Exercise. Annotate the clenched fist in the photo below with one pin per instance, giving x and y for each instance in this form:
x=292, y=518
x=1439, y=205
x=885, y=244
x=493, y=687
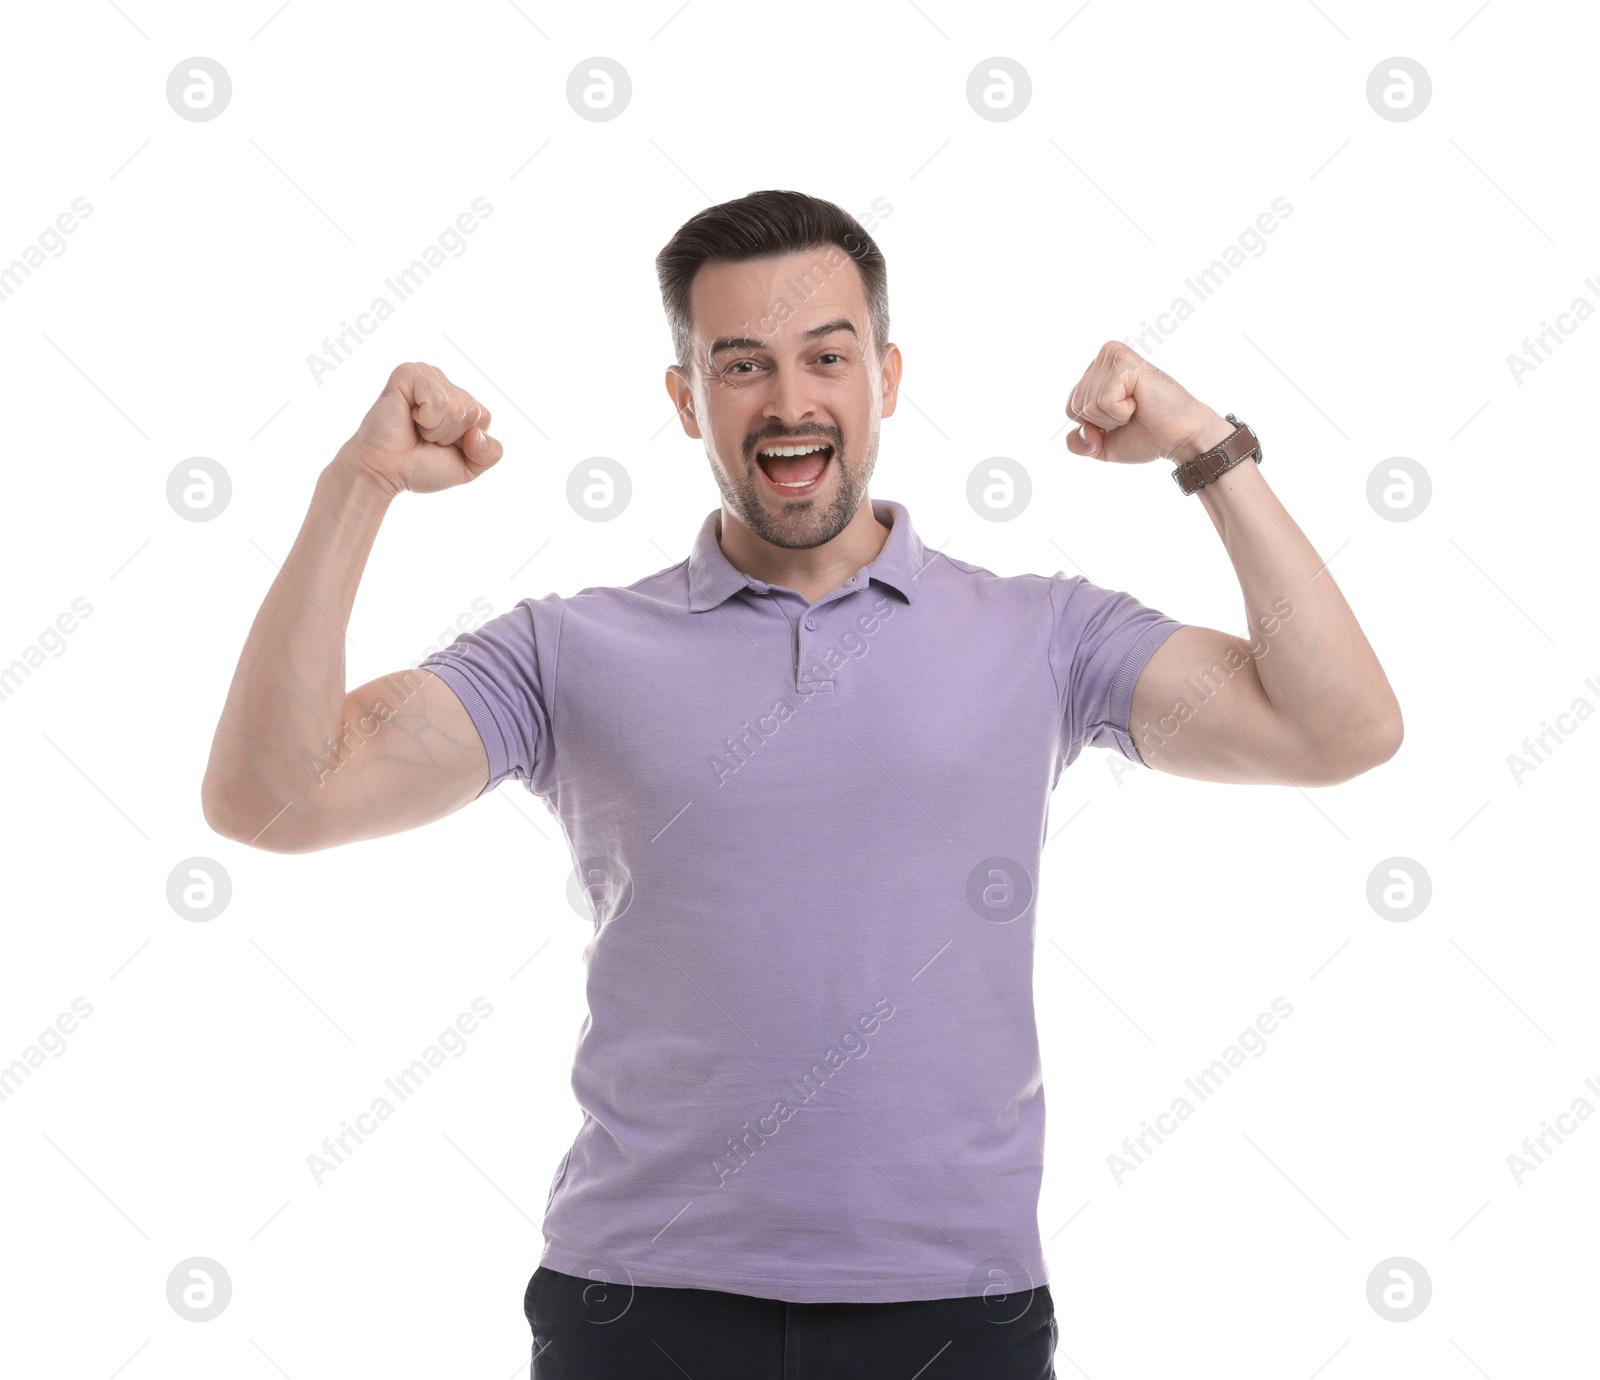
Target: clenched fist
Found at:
x=1130, y=412
x=423, y=433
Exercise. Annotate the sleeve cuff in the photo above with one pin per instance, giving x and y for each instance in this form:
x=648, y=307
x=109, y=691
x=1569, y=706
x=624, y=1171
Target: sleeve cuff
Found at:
x=1134, y=660
x=494, y=742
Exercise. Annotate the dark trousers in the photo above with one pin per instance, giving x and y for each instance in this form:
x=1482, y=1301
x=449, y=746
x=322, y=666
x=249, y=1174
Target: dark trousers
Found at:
x=586, y=1330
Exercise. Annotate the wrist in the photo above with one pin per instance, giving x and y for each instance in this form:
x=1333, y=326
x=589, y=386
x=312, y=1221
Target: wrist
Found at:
x=1210, y=429
x=352, y=476
x=355, y=486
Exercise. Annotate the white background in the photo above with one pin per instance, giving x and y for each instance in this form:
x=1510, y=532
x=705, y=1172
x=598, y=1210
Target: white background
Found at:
x=1377, y=324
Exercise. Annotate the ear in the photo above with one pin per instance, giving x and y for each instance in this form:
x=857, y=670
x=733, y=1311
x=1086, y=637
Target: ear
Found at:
x=890, y=379
x=682, y=395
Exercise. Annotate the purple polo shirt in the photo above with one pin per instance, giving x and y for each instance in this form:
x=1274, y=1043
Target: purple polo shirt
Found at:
x=811, y=836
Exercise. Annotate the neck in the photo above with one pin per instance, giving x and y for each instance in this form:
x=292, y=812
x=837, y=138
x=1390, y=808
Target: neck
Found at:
x=813, y=571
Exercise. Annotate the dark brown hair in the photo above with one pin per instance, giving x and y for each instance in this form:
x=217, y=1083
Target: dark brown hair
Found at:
x=759, y=226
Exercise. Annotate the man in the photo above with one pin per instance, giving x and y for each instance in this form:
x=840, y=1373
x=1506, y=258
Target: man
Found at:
x=804, y=774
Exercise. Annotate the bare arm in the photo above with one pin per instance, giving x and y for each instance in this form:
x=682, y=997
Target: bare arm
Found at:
x=1304, y=701
x=297, y=763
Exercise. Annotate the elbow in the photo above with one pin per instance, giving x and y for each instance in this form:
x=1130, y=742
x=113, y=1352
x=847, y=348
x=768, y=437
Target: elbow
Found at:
x=264, y=831
x=214, y=810
x=1393, y=735
x=1369, y=745
x=216, y=801
x=1388, y=731
x=223, y=818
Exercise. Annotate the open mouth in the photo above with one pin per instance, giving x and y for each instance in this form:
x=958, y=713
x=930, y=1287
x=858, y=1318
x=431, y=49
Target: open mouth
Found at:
x=795, y=470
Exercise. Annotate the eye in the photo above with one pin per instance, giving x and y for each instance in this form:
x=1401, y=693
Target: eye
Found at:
x=833, y=355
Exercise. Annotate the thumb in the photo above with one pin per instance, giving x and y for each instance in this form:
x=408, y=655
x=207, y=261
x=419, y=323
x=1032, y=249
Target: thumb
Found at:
x=1085, y=439
x=480, y=449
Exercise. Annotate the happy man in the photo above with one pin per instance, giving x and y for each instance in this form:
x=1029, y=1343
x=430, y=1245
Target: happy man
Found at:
x=804, y=775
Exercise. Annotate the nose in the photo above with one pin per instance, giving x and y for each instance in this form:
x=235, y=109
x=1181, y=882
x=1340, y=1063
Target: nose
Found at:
x=789, y=404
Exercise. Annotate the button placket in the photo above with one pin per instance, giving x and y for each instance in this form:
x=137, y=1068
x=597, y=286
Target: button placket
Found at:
x=812, y=622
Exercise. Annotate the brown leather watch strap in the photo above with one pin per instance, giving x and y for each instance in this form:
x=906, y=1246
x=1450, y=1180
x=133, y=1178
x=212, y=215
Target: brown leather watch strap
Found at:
x=1238, y=445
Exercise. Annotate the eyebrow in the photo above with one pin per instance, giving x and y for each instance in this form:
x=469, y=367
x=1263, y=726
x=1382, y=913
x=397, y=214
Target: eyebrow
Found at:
x=747, y=342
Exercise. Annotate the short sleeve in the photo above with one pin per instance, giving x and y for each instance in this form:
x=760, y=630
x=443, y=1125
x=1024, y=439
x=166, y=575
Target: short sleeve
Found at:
x=504, y=674
x=1100, y=641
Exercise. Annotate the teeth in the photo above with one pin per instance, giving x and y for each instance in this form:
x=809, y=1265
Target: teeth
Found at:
x=794, y=450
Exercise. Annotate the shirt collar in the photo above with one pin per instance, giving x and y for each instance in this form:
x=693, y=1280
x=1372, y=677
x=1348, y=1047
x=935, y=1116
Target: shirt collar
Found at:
x=712, y=578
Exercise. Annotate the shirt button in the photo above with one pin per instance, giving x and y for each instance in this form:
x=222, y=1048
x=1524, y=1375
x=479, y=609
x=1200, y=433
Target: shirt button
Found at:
x=811, y=623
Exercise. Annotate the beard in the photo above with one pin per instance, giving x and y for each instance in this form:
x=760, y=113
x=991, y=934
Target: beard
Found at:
x=798, y=524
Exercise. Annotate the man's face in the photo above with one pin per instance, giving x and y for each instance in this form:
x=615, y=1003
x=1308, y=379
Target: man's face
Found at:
x=783, y=355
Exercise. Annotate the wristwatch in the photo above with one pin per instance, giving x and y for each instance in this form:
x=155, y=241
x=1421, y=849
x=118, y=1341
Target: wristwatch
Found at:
x=1239, y=444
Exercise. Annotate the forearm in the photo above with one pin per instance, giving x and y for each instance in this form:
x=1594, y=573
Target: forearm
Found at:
x=288, y=691
x=1314, y=663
